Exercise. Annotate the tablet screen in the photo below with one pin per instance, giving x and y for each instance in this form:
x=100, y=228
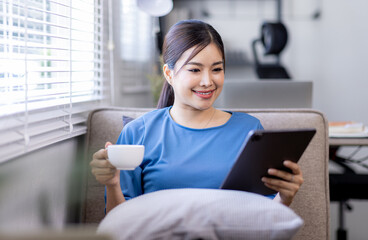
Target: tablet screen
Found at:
x=264, y=149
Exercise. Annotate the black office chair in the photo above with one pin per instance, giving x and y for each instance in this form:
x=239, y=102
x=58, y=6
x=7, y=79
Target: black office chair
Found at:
x=273, y=38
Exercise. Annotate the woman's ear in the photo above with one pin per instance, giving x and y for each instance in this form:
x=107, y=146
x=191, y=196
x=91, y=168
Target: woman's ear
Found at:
x=168, y=73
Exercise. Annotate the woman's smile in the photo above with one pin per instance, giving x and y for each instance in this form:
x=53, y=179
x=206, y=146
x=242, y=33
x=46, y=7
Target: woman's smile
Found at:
x=204, y=94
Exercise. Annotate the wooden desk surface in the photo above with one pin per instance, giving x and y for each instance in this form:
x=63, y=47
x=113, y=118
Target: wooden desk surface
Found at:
x=348, y=141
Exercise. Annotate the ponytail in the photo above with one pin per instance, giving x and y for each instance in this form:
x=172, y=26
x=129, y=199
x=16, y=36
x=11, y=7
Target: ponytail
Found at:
x=166, y=97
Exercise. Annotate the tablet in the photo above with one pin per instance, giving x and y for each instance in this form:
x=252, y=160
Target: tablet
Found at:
x=264, y=149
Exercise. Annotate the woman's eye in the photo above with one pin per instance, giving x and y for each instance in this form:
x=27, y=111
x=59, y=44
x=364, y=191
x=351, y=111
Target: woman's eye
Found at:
x=217, y=69
x=194, y=70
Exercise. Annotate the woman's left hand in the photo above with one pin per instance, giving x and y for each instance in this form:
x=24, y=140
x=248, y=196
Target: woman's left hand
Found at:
x=289, y=183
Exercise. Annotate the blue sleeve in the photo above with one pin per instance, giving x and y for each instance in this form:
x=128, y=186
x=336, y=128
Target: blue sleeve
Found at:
x=131, y=183
x=272, y=196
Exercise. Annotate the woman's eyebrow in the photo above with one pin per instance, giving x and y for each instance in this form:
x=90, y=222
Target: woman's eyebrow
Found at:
x=200, y=64
x=217, y=63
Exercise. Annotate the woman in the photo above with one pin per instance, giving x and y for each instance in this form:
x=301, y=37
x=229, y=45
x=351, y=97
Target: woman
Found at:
x=189, y=143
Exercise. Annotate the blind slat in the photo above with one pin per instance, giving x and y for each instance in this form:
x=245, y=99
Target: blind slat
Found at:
x=10, y=137
x=52, y=99
x=44, y=23
x=18, y=121
x=52, y=58
x=87, y=10
x=16, y=149
x=31, y=45
x=41, y=34
x=16, y=108
x=41, y=81
x=35, y=129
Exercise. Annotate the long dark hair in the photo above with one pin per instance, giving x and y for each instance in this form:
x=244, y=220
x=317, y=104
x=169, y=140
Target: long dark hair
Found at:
x=181, y=37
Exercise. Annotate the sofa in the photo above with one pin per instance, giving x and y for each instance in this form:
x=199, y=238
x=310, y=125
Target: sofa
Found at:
x=311, y=202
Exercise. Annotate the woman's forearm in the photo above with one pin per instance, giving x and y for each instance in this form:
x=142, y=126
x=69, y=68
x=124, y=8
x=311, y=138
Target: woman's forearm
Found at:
x=114, y=197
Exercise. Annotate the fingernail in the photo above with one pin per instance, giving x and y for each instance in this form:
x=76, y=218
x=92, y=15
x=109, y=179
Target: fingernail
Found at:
x=270, y=171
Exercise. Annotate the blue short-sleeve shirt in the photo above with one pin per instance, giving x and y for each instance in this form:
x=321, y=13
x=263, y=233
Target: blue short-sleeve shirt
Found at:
x=181, y=157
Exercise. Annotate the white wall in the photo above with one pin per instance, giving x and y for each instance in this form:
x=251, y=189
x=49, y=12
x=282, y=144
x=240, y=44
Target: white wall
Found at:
x=332, y=52
x=35, y=188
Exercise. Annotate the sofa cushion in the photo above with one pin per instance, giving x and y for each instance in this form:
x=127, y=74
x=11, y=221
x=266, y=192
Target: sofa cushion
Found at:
x=127, y=119
x=201, y=214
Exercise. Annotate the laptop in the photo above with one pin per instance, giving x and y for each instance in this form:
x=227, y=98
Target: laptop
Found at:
x=266, y=94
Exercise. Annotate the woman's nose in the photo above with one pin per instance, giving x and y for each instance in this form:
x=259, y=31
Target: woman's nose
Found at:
x=206, y=80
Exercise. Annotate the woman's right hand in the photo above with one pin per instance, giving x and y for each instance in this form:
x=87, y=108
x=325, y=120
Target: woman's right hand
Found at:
x=103, y=170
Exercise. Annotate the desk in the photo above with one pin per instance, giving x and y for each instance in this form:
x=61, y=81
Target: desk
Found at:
x=338, y=142
x=349, y=184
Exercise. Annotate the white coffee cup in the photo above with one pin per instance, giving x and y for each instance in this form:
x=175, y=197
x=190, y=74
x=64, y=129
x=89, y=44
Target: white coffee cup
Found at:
x=125, y=157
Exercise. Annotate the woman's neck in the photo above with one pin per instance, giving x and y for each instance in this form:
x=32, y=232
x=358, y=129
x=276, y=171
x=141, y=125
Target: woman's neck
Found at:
x=193, y=118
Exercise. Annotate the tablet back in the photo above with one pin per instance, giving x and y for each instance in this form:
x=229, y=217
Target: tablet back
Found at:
x=264, y=149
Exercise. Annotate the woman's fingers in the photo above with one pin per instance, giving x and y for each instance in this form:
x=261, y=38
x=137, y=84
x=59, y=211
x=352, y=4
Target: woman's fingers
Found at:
x=281, y=174
x=285, y=176
x=286, y=183
x=100, y=154
x=293, y=166
x=103, y=171
x=294, y=177
x=104, y=178
x=107, y=144
x=281, y=184
x=286, y=194
x=101, y=163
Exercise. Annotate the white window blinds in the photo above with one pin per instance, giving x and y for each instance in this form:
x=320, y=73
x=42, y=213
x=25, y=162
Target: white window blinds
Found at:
x=51, y=71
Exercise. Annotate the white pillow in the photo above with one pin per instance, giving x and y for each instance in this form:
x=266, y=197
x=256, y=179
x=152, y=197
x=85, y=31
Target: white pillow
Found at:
x=201, y=214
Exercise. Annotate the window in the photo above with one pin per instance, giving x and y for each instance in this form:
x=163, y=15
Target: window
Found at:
x=137, y=55
x=135, y=33
x=52, y=71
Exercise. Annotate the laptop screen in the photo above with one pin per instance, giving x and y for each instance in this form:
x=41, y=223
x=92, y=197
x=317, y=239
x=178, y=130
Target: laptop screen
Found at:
x=266, y=94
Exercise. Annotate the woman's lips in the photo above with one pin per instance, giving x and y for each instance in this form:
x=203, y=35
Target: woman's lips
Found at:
x=204, y=94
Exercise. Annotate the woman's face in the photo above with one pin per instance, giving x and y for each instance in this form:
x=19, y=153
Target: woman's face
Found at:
x=198, y=83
